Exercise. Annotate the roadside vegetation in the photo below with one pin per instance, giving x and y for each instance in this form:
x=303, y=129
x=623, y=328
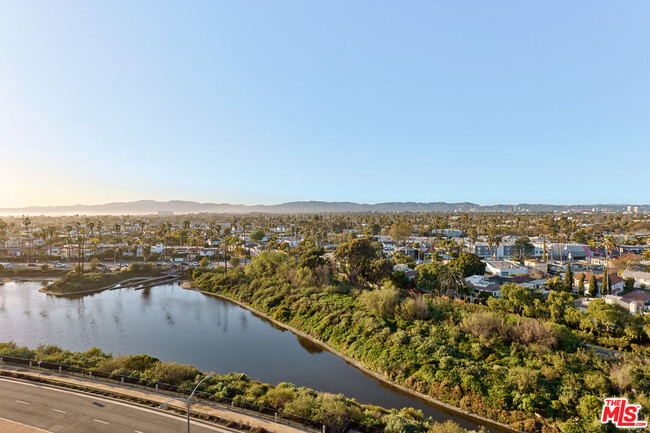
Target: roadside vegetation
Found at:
x=530, y=372
x=325, y=408
x=41, y=271
x=75, y=281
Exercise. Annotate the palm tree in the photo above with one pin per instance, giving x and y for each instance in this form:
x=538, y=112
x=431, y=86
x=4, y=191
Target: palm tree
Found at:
x=117, y=229
x=451, y=279
x=90, y=225
x=3, y=233
x=214, y=228
x=50, y=236
x=550, y=228
x=225, y=243
x=81, y=241
x=95, y=243
x=27, y=222
x=197, y=234
x=68, y=228
x=496, y=240
x=164, y=229
x=142, y=225
x=610, y=244
x=118, y=251
x=183, y=233
x=100, y=226
x=146, y=252
x=129, y=245
x=490, y=242
x=473, y=237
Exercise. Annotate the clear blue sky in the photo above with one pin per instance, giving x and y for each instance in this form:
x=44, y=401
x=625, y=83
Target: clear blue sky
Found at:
x=368, y=101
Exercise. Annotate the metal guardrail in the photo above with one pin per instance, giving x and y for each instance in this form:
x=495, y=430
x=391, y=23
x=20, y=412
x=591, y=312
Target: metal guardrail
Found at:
x=201, y=398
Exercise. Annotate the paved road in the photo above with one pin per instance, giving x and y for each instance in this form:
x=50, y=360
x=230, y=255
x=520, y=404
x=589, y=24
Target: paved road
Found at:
x=57, y=410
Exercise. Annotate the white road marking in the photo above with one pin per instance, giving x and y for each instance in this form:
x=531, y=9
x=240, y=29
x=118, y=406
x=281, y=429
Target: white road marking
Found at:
x=87, y=395
x=21, y=402
x=59, y=410
x=100, y=421
x=138, y=431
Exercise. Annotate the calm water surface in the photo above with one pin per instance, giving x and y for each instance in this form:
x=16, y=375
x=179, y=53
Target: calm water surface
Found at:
x=181, y=325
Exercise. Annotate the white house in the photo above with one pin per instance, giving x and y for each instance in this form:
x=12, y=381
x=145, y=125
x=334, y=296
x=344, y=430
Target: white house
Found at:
x=450, y=233
x=616, y=283
x=504, y=268
x=640, y=297
x=537, y=265
x=640, y=278
x=480, y=284
x=536, y=284
x=158, y=249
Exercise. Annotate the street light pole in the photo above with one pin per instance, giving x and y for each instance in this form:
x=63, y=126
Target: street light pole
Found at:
x=188, y=415
x=187, y=400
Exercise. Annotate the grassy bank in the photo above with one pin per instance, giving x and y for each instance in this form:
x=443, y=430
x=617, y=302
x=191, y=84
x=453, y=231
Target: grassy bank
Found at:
x=286, y=398
x=529, y=373
x=32, y=272
x=74, y=281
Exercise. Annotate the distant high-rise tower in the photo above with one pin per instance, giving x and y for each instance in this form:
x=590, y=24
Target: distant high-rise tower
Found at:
x=636, y=209
x=629, y=209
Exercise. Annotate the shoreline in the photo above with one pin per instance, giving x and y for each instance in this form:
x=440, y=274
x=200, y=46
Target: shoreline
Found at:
x=87, y=291
x=446, y=407
x=18, y=279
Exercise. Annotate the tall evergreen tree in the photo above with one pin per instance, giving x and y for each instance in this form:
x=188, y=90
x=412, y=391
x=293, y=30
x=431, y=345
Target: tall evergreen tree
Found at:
x=568, y=279
x=581, y=284
x=605, y=289
x=593, y=287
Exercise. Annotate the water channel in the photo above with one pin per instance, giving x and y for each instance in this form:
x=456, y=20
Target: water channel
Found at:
x=189, y=327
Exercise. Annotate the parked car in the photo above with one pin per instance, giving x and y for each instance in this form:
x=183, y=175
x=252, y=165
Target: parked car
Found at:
x=195, y=263
x=59, y=265
x=6, y=265
x=32, y=265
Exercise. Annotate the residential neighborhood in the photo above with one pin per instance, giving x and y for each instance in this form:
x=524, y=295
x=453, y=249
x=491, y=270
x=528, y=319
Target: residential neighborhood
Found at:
x=536, y=262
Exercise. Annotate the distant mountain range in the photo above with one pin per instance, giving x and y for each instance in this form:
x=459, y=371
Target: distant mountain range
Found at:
x=143, y=207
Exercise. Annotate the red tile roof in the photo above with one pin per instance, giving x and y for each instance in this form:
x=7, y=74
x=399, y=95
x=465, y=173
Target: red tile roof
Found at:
x=613, y=278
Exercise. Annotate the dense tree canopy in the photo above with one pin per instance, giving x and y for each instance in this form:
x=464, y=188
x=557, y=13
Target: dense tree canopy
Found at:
x=468, y=264
x=520, y=359
x=357, y=259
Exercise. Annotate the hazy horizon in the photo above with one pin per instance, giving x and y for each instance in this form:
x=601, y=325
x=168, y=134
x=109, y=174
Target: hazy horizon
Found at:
x=369, y=102
x=569, y=203
x=180, y=207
